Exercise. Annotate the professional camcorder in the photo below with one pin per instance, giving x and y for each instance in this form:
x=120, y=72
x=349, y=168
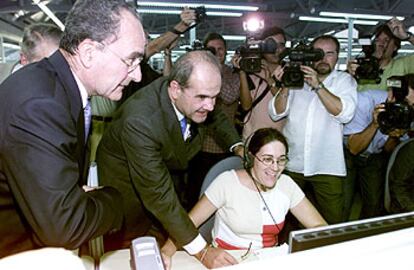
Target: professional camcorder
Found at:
x=302, y=54
x=368, y=70
x=251, y=53
x=398, y=114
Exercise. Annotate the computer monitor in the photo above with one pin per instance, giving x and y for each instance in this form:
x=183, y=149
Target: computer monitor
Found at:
x=317, y=237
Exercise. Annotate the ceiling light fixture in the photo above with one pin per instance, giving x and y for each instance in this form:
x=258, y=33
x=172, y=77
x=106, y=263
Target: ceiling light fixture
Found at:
x=335, y=20
x=49, y=13
x=358, y=16
x=196, y=4
x=176, y=11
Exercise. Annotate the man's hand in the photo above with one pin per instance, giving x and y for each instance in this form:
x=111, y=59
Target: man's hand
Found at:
x=235, y=61
x=217, y=257
x=397, y=133
x=166, y=260
x=188, y=16
x=397, y=28
x=378, y=108
x=351, y=66
x=311, y=76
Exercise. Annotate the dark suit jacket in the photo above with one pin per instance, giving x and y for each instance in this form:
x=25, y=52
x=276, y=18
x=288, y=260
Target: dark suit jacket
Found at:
x=41, y=160
x=141, y=153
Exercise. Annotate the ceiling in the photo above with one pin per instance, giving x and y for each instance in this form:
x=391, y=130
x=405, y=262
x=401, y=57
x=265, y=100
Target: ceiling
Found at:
x=15, y=14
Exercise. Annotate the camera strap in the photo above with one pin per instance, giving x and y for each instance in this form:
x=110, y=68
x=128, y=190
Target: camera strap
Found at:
x=261, y=96
x=256, y=100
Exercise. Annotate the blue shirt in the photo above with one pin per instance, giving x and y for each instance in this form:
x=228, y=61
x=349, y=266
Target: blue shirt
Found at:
x=363, y=117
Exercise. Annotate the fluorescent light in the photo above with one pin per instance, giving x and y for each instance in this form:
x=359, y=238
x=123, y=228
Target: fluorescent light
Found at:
x=177, y=12
x=234, y=37
x=358, y=16
x=405, y=51
x=50, y=14
x=207, y=6
x=335, y=20
x=11, y=46
x=158, y=11
x=224, y=14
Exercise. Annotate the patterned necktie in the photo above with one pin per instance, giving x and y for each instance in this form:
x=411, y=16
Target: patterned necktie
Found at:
x=183, y=125
x=87, y=112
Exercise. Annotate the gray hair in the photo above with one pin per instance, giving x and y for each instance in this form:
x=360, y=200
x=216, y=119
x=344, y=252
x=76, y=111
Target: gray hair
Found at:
x=185, y=65
x=97, y=20
x=34, y=34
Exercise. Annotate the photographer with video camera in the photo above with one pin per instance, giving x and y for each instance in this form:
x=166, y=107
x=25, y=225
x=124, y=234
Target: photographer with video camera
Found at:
x=258, y=87
x=381, y=120
x=315, y=115
x=387, y=42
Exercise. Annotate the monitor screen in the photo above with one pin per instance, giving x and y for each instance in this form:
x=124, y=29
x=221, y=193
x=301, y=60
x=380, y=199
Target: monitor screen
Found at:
x=332, y=234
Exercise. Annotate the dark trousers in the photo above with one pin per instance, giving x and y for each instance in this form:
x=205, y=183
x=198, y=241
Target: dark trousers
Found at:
x=198, y=169
x=367, y=174
x=325, y=192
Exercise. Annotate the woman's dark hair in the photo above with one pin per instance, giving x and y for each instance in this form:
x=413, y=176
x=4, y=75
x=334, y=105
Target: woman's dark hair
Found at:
x=260, y=138
x=97, y=20
x=273, y=31
x=213, y=36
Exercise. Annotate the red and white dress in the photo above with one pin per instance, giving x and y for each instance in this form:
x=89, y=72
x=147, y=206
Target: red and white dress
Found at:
x=242, y=217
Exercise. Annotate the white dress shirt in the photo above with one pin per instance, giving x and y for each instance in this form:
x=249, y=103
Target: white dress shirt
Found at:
x=314, y=135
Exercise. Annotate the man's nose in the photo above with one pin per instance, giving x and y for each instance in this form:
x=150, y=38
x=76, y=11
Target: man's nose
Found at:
x=136, y=74
x=209, y=104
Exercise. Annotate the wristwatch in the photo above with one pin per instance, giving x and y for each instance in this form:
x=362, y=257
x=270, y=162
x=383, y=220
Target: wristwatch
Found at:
x=319, y=87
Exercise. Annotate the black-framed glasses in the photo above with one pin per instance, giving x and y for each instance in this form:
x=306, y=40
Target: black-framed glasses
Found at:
x=131, y=63
x=270, y=161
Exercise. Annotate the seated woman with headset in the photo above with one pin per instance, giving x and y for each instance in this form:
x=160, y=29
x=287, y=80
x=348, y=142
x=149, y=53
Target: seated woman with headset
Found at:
x=251, y=203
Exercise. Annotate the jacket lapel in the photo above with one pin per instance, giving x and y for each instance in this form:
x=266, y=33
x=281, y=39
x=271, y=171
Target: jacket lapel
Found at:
x=61, y=67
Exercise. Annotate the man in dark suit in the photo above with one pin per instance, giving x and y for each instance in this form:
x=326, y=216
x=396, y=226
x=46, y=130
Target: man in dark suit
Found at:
x=145, y=153
x=42, y=131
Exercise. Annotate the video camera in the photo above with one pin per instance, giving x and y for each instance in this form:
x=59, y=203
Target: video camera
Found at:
x=251, y=53
x=302, y=54
x=198, y=46
x=398, y=114
x=368, y=70
x=200, y=13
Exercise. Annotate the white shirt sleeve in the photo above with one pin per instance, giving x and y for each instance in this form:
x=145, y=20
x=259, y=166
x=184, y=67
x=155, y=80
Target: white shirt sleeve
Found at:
x=346, y=90
x=272, y=110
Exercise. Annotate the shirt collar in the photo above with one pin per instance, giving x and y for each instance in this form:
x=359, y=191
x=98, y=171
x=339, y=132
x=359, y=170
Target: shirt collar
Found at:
x=180, y=116
x=82, y=90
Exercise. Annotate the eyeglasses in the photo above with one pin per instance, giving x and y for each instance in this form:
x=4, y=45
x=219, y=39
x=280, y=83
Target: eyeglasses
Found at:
x=131, y=63
x=269, y=161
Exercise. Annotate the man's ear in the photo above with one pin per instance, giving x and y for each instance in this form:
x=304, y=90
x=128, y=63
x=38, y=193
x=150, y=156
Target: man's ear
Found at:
x=87, y=51
x=174, y=89
x=23, y=59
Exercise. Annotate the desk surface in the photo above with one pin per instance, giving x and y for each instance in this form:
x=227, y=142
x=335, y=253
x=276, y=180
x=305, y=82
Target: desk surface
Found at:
x=380, y=252
x=119, y=260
